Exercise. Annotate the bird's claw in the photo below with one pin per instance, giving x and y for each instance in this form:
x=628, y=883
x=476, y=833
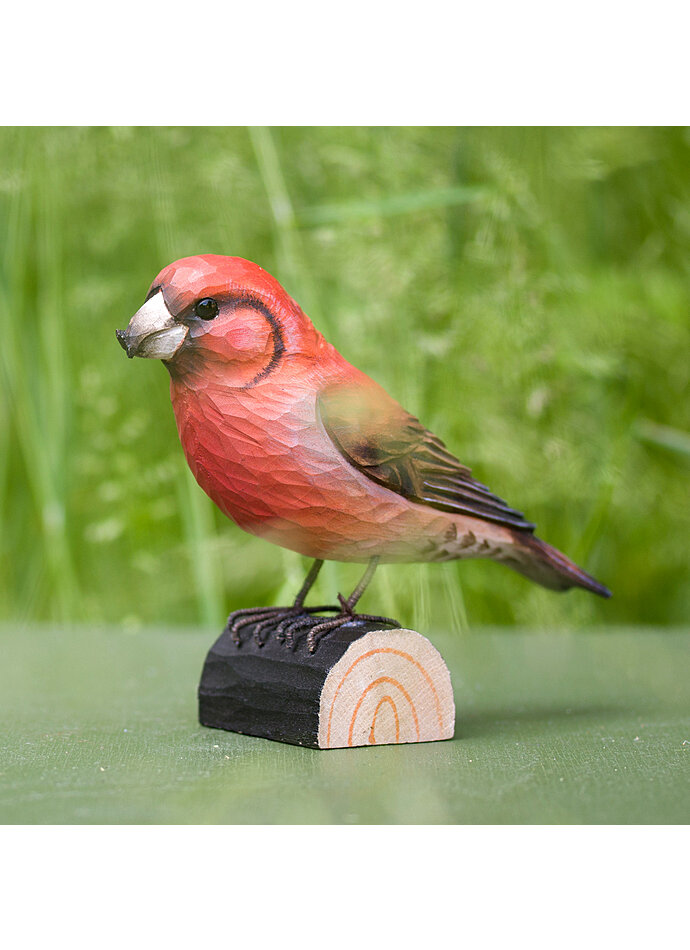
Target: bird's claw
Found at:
x=266, y=619
x=321, y=630
x=249, y=615
x=288, y=623
x=288, y=633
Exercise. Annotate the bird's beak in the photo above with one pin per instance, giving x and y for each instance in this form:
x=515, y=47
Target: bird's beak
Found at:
x=152, y=332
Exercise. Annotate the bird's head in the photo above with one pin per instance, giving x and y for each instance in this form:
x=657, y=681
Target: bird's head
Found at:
x=211, y=313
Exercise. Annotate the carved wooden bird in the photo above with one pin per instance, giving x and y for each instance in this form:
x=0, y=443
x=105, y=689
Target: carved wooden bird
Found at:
x=296, y=445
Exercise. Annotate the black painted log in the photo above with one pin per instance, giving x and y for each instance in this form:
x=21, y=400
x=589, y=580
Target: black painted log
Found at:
x=363, y=685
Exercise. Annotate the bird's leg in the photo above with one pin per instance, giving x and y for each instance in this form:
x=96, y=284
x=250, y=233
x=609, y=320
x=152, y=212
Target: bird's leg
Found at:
x=364, y=581
x=266, y=617
x=290, y=625
x=347, y=613
x=309, y=581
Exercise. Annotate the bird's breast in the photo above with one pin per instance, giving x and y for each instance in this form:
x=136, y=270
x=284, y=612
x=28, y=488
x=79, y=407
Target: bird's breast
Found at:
x=260, y=453
x=263, y=456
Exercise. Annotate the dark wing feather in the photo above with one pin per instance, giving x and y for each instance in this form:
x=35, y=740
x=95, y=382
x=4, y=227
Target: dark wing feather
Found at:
x=391, y=447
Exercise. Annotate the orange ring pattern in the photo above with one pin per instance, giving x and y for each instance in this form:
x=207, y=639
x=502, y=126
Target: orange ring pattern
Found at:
x=372, y=731
x=383, y=679
x=364, y=656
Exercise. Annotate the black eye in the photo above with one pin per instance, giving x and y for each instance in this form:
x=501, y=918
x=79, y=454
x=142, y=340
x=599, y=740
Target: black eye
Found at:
x=207, y=308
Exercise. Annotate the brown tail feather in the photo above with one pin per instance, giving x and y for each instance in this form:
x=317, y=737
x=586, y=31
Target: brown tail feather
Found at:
x=547, y=566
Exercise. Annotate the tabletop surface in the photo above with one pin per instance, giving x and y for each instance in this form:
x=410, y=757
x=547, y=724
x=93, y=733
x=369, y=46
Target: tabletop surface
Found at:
x=100, y=726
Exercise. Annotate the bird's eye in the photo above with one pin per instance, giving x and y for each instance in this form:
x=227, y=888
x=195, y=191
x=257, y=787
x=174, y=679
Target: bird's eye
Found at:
x=207, y=308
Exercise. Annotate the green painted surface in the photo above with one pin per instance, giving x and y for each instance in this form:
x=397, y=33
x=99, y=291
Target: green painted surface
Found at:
x=100, y=727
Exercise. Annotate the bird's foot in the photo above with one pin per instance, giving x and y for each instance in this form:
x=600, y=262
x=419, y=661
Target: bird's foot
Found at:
x=289, y=623
x=265, y=619
x=239, y=619
x=346, y=616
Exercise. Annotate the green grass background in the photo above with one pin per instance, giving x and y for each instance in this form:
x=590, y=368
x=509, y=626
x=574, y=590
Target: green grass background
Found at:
x=524, y=291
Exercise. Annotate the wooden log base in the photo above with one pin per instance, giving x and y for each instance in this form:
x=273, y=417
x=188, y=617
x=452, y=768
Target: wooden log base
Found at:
x=362, y=686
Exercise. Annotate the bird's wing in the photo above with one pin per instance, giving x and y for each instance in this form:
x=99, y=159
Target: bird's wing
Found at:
x=391, y=447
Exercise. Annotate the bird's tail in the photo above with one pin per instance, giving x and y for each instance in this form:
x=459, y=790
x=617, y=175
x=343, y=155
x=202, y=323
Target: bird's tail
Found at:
x=544, y=564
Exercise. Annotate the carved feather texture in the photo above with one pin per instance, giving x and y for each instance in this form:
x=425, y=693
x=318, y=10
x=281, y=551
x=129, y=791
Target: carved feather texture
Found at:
x=391, y=447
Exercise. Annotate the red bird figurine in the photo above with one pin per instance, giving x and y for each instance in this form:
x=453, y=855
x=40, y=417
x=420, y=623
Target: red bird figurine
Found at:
x=296, y=445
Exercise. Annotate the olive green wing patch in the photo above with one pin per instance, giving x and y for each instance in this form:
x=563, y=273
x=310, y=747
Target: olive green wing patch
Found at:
x=391, y=447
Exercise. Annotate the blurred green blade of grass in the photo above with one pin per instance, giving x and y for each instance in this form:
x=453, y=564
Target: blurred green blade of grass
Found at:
x=665, y=436
x=204, y=563
x=391, y=205
x=288, y=251
x=38, y=374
